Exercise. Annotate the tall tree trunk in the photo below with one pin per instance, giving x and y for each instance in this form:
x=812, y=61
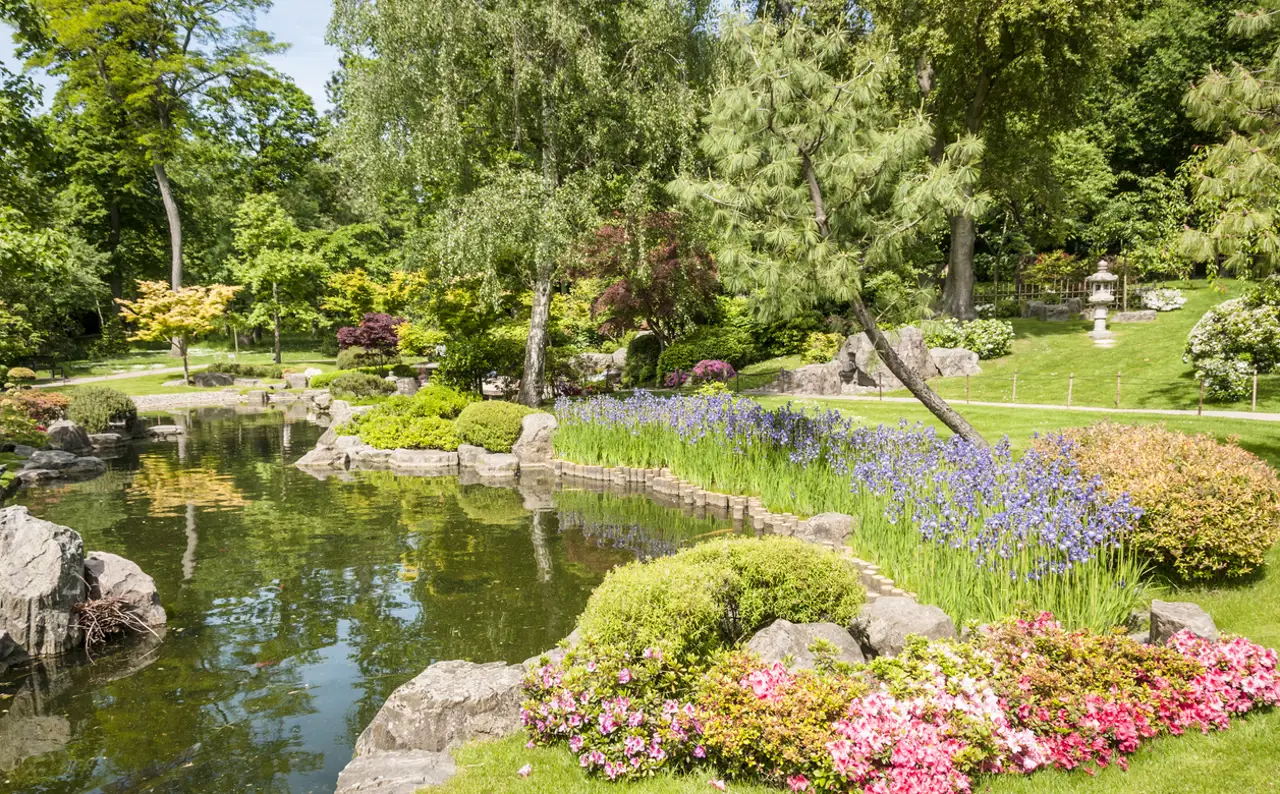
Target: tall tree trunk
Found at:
x=175, y=226
x=182, y=351
x=113, y=246
x=957, y=290
x=909, y=377
x=275, y=316
x=535, y=349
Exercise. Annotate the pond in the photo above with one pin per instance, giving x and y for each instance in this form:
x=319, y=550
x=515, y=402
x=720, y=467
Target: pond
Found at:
x=296, y=605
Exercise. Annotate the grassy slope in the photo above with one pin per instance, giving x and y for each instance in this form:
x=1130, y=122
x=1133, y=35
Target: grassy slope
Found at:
x=1244, y=759
x=140, y=361
x=1148, y=356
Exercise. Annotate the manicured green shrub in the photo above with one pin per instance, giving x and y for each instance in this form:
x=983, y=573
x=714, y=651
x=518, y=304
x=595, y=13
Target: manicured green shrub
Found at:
x=726, y=343
x=95, y=407
x=21, y=374
x=403, y=431
x=820, y=347
x=788, y=337
x=494, y=424
x=417, y=340
x=1209, y=509
x=714, y=595
x=404, y=371
x=358, y=357
x=436, y=401
x=987, y=338
x=269, y=371
x=642, y=360
x=360, y=385
x=325, y=378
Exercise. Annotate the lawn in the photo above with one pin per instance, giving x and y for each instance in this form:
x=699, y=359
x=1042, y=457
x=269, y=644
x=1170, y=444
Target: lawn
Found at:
x=298, y=352
x=1243, y=759
x=1148, y=357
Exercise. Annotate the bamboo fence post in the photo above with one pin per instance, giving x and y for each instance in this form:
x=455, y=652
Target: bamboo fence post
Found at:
x=1015, y=385
x=966, y=389
x=1117, y=389
x=1071, y=387
x=880, y=385
x=1200, y=406
x=1254, y=406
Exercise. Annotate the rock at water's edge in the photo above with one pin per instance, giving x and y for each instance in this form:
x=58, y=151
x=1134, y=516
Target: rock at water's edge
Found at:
x=41, y=579
x=535, y=447
x=70, y=437
x=112, y=576
x=403, y=772
x=447, y=704
x=827, y=529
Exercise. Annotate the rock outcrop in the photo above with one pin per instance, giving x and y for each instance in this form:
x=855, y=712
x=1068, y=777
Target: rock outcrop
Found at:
x=815, y=379
x=535, y=446
x=1170, y=617
x=68, y=436
x=424, y=461
x=112, y=576
x=886, y=623
x=207, y=380
x=41, y=581
x=793, y=643
x=860, y=366
x=448, y=704
x=497, y=465
x=955, y=361
x=827, y=529
x=405, y=772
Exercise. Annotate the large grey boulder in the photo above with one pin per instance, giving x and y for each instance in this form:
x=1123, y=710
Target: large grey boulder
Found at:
x=594, y=365
x=41, y=579
x=406, y=387
x=424, y=461
x=448, y=704
x=817, y=379
x=296, y=380
x=1170, y=617
x=10, y=653
x=112, y=576
x=324, y=458
x=827, y=529
x=497, y=464
x=469, y=455
x=53, y=459
x=83, y=469
x=405, y=772
x=37, y=476
x=860, y=366
x=206, y=380
x=955, y=361
x=535, y=446
x=369, y=457
x=107, y=440
x=887, y=622
x=791, y=644
x=323, y=401
x=70, y=437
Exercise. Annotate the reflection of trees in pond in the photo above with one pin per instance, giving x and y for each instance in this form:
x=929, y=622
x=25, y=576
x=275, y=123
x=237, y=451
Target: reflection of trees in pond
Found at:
x=494, y=505
x=169, y=487
x=92, y=507
x=634, y=523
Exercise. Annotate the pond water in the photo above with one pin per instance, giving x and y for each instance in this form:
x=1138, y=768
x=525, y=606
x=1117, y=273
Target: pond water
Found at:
x=296, y=605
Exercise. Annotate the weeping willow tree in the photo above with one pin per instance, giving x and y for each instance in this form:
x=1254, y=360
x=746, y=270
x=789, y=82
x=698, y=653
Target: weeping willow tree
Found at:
x=500, y=118
x=1235, y=184
x=819, y=185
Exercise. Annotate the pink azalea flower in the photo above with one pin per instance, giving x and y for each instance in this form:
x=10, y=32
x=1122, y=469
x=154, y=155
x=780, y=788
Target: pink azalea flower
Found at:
x=718, y=785
x=798, y=783
x=525, y=770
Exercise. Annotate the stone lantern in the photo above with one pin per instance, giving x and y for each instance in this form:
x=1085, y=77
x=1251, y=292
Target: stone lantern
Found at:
x=1101, y=295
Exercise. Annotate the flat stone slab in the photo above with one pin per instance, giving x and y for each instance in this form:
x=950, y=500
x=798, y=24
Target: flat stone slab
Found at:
x=827, y=529
x=166, y=431
x=324, y=458
x=1142, y=316
x=424, y=461
x=497, y=465
x=404, y=772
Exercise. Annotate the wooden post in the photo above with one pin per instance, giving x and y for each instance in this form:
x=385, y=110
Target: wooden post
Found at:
x=1071, y=387
x=880, y=384
x=1015, y=385
x=1200, y=407
x=966, y=388
x=1255, y=390
x=1117, y=389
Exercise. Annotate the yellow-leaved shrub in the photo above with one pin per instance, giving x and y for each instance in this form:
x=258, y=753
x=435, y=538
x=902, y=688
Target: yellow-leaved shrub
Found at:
x=1210, y=509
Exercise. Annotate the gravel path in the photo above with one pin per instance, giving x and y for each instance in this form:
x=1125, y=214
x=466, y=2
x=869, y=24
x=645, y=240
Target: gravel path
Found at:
x=118, y=376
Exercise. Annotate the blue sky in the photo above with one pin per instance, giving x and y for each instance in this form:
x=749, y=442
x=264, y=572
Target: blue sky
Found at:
x=300, y=23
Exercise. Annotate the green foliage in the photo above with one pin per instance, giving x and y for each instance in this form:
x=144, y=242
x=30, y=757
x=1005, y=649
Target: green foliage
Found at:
x=1243, y=330
x=269, y=371
x=404, y=431
x=17, y=427
x=789, y=337
x=39, y=405
x=1053, y=267
x=988, y=338
x=819, y=347
x=360, y=385
x=723, y=343
x=492, y=424
x=1209, y=509
x=359, y=358
x=434, y=400
x=417, y=340
x=714, y=595
x=95, y=408
x=643, y=352
x=21, y=374
x=467, y=361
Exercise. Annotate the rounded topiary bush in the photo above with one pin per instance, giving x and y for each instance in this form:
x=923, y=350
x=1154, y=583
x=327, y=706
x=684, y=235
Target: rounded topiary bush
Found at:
x=21, y=374
x=717, y=594
x=360, y=385
x=494, y=425
x=438, y=401
x=1209, y=509
x=402, y=431
x=95, y=408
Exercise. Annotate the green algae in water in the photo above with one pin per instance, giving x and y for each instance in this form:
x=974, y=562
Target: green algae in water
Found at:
x=296, y=605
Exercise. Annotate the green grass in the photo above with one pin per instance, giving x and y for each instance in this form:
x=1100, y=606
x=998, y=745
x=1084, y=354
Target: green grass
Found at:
x=1148, y=357
x=140, y=361
x=148, y=384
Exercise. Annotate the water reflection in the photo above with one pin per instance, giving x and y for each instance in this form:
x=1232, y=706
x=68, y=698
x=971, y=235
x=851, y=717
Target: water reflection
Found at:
x=296, y=605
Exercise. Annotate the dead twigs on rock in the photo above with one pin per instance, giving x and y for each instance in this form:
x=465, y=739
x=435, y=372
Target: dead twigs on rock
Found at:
x=102, y=618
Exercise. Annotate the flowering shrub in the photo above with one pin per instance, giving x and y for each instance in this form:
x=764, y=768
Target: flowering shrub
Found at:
x=1025, y=694
x=21, y=374
x=1225, y=379
x=972, y=529
x=820, y=347
x=675, y=380
x=1237, y=330
x=19, y=428
x=724, y=343
x=43, y=407
x=714, y=594
x=623, y=715
x=987, y=338
x=710, y=370
x=1209, y=509
x=1162, y=300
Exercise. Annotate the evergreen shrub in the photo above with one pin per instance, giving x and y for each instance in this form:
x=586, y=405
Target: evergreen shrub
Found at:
x=494, y=424
x=95, y=407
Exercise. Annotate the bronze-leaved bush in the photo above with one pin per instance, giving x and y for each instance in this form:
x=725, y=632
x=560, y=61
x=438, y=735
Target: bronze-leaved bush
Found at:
x=1209, y=509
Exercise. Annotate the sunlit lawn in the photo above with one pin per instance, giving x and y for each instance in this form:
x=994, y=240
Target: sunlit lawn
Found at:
x=140, y=361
